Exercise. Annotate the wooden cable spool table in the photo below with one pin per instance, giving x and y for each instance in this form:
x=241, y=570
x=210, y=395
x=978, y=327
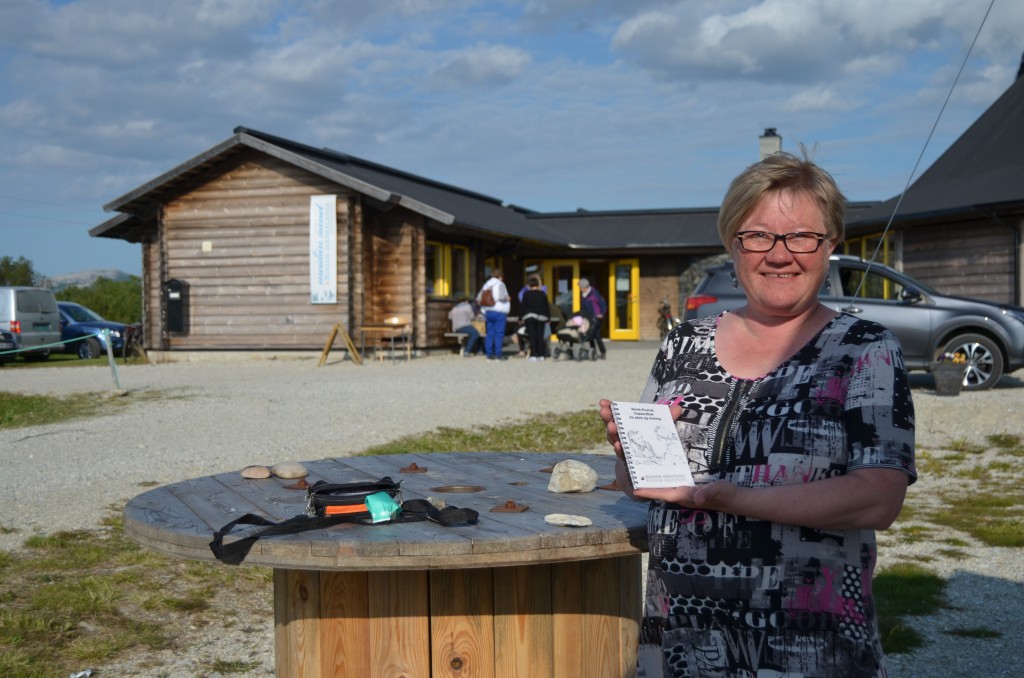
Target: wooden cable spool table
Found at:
x=510, y=596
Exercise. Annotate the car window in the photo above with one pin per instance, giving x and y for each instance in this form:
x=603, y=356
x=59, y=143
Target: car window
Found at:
x=875, y=285
x=81, y=314
x=36, y=301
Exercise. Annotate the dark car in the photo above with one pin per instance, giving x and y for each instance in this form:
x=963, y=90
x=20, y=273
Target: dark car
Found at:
x=989, y=336
x=7, y=344
x=82, y=329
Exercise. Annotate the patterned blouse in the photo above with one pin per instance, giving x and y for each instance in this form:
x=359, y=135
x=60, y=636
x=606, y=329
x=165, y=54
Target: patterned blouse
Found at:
x=734, y=596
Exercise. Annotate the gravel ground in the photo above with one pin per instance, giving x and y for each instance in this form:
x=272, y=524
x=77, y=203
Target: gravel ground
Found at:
x=222, y=413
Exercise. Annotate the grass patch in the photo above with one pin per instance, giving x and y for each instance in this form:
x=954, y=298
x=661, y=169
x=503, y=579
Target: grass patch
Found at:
x=86, y=597
x=994, y=516
x=18, y=411
x=1006, y=441
x=545, y=433
x=901, y=591
x=221, y=666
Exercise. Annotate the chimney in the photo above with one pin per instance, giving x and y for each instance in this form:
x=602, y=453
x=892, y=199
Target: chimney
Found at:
x=770, y=142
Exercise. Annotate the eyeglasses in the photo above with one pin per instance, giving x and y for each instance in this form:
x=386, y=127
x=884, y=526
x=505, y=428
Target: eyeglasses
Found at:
x=799, y=242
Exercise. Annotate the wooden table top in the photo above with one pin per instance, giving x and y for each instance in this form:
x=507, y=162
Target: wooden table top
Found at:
x=180, y=518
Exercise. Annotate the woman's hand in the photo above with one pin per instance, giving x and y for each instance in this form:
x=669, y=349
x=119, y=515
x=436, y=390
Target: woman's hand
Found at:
x=861, y=499
x=715, y=496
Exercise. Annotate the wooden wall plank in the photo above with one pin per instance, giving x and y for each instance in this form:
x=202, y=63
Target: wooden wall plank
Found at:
x=296, y=626
x=568, y=623
x=345, y=627
x=462, y=623
x=400, y=626
x=630, y=611
x=601, y=618
x=972, y=259
x=523, y=627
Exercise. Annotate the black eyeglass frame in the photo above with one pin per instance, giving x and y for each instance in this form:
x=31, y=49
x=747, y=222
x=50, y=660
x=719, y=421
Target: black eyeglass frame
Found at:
x=784, y=237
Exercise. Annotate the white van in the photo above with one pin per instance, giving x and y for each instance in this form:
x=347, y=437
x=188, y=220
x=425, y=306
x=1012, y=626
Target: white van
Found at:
x=30, y=314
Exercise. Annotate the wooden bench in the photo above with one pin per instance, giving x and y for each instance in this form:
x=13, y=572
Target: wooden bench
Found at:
x=459, y=337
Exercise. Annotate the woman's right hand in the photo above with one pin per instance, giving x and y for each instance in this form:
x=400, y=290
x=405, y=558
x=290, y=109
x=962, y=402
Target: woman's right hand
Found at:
x=611, y=431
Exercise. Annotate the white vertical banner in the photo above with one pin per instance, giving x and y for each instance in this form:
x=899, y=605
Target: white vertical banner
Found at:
x=323, y=249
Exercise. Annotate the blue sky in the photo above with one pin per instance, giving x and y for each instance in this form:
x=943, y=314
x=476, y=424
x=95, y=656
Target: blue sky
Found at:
x=548, y=104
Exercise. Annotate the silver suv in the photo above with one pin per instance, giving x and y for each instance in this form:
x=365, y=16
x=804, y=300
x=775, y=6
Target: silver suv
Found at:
x=990, y=336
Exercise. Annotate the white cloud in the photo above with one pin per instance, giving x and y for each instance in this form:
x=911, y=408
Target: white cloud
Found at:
x=481, y=65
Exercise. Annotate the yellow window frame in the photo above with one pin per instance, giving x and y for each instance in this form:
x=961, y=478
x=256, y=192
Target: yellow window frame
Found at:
x=442, y=273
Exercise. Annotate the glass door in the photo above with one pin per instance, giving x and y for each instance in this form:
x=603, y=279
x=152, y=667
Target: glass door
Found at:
x=560, y=276
x=624, y=300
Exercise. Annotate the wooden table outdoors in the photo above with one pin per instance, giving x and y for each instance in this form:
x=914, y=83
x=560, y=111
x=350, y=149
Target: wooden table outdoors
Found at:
x=389, y=331
x=510, y=596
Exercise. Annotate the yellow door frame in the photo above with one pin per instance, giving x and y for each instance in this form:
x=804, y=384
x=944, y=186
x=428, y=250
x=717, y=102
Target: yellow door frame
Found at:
x=631, y=328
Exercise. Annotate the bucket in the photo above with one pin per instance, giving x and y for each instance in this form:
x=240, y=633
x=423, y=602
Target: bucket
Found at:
x=949, y=378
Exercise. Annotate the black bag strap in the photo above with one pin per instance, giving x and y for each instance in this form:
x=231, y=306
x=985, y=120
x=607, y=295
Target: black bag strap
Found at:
x=413, y=510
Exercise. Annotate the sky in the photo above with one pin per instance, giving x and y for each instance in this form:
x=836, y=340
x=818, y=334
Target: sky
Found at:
x=552, y=105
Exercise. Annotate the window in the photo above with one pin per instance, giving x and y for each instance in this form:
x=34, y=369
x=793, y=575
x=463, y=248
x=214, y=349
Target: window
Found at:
x=491, y=263
x=447, y=270
x=875, y=285
x=864, y=247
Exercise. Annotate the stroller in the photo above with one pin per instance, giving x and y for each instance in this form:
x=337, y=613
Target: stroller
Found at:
x=578, y=330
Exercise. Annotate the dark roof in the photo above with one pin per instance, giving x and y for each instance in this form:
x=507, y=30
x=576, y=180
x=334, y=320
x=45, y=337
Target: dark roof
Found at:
x=635, y=229
x=445, y=204
x=982, y=169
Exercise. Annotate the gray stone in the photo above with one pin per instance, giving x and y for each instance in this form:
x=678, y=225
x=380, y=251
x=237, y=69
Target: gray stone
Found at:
x=567, y=520
x=289, y=469
x=255, y=472
x=572, y=476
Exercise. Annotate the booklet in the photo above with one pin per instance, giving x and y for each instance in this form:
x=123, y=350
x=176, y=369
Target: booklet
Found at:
x=654, y=454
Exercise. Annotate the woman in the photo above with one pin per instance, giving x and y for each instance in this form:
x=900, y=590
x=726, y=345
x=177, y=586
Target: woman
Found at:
x=495, y=305
x=535, y=305
x=799, y=428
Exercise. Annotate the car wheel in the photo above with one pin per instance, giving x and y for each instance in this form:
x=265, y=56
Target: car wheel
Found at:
x=89, y=349
x=984, y=360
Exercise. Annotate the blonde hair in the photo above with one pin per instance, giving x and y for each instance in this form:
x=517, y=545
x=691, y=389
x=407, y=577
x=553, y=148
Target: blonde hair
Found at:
x=774, y=174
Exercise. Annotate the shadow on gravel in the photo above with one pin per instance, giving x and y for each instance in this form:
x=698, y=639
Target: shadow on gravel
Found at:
x=976, y=625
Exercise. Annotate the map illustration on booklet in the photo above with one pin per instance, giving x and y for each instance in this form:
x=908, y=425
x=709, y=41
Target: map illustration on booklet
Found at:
x=654, y=454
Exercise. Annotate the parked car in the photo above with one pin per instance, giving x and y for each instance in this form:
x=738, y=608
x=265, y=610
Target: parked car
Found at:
x=989, y=336
x=7, y=344
x=83, y=329
x=30, y=315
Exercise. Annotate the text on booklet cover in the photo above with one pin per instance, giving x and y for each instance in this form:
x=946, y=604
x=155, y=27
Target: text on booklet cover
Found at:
x=654, y=454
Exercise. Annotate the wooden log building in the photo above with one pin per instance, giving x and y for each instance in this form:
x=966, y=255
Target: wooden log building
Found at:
x=226, y=242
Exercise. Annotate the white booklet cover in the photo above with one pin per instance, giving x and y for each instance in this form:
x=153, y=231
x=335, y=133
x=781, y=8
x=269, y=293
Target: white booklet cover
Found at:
x=654, y=454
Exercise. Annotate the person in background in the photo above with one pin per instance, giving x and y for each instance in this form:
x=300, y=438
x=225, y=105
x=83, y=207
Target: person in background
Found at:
x=535, y=311
x=462, y=316
x=594, y=305
x=800, y=428
x=495, y=314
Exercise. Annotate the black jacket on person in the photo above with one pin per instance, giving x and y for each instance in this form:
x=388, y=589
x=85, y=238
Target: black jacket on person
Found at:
x=535, y=303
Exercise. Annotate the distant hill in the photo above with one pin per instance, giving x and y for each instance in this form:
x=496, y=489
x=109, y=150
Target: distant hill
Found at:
x=86, y=278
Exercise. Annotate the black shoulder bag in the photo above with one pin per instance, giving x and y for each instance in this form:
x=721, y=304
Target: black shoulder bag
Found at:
x=330, y=504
